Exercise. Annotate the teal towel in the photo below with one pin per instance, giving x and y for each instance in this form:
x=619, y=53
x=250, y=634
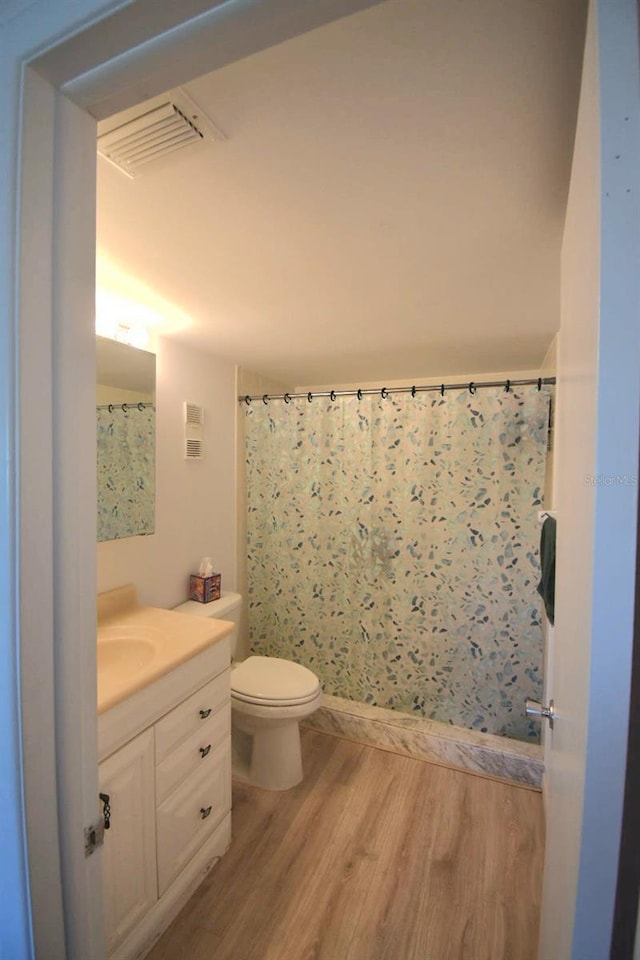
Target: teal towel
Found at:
x=547, y=585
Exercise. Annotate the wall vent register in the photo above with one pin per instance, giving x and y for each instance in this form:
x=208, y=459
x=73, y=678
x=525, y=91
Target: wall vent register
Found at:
x=193, y=439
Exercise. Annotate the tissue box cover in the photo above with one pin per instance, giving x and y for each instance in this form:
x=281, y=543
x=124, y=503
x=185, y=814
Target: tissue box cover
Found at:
x=204, y=589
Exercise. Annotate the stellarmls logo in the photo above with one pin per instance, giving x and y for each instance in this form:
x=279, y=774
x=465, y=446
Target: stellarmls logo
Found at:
x=611, y=480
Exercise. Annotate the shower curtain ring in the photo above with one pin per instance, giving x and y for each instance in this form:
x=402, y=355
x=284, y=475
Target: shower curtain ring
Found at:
x=333, y=394
x=287, y=398
x=247, y=400
x=359, y=394
x=309, y=396
x=125, y=408
x=539, y=384
x=442, y=389
x=265, y=399
x=110, y=407
x=507, y=386
x=472, y=388
x=413, y=391
x=141, y=406
x=384, y=393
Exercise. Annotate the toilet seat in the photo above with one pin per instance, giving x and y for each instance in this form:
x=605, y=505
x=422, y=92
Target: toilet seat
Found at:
x=272, y=681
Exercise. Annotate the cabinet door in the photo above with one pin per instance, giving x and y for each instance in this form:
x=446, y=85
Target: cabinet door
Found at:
x=129, y=852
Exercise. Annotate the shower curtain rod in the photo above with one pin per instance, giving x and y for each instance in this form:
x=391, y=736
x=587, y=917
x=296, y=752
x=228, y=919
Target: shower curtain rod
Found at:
x=125, y=407
x=385, y=392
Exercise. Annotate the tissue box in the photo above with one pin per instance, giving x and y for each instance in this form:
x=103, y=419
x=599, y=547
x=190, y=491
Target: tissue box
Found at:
x=204, y=589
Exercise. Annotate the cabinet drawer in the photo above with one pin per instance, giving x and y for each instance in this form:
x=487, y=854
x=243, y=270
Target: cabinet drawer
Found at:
x=191, y=715
x=195, y=753
x=191, y=813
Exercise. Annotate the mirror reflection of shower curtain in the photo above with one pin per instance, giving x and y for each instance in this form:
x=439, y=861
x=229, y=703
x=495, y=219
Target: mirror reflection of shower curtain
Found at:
x=392, y=548
x=126, y=471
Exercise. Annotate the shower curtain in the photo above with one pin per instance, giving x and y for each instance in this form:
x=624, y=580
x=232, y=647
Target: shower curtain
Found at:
x=126, y=470
x=393, y=548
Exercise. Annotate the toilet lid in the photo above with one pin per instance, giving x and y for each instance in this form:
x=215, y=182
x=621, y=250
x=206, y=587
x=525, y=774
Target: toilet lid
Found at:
x=271, y=680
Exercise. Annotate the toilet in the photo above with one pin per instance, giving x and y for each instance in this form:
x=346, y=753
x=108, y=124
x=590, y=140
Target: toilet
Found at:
x=269, y=697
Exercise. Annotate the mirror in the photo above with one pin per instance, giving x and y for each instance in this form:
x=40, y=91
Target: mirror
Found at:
x=126, y=435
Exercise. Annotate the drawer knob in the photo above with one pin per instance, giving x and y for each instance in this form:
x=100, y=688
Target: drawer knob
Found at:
x=205, y=750
x=205, y=811
x=205, y=713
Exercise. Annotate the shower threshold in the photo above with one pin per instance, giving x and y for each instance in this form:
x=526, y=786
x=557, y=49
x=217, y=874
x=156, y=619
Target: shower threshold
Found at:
x=485, y=754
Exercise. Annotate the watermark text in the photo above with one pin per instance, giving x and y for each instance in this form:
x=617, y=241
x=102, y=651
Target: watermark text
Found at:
x=611, y=480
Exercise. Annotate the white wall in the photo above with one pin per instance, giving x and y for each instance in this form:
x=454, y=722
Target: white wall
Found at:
x=195, y=500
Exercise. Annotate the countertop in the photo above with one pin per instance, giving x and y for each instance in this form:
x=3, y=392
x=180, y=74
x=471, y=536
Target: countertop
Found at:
x=137, y=645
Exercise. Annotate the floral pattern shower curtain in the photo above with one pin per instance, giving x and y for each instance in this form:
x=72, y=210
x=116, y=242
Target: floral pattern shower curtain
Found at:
x=393, y=548
x=126, y=470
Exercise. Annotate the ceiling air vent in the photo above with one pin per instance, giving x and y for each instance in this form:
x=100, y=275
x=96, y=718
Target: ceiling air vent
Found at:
x=154, y=130
x=193, y=442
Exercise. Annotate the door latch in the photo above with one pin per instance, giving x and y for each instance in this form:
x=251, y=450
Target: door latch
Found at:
x=93, y=837
x=106, y=809
x=94, y=834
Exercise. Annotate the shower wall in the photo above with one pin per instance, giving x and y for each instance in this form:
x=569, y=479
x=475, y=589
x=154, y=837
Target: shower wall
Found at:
x=392, y=548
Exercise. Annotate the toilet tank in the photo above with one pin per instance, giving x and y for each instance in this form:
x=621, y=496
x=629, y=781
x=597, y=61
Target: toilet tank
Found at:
x=228, y=607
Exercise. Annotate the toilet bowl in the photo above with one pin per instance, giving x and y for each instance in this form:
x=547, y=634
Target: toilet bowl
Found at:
x=269, y=697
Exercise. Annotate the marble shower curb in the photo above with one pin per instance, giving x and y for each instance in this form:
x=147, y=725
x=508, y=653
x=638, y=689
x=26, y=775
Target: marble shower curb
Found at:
x=422, y=739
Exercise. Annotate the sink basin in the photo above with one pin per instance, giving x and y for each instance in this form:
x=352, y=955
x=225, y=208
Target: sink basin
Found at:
x=126, y=648
x=138, y=647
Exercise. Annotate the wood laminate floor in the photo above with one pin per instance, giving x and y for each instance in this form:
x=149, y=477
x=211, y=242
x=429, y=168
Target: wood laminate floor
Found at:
x=373, y=857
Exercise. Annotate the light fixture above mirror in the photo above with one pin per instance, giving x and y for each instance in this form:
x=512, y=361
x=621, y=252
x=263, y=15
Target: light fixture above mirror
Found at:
x=131, y=312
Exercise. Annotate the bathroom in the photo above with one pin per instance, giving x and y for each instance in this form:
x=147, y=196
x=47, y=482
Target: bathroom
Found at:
x=202, y=505
x=209, y=377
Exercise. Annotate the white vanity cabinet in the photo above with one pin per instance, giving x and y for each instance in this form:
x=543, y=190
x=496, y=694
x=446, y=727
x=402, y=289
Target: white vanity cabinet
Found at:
x=166, y=766
x=129, y=881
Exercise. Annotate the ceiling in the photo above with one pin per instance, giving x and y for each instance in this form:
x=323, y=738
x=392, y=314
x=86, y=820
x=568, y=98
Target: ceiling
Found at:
x=388, y=203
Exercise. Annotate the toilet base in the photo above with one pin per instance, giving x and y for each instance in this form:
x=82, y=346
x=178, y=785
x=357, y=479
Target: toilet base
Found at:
x=270, y=757
x=266, y=742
